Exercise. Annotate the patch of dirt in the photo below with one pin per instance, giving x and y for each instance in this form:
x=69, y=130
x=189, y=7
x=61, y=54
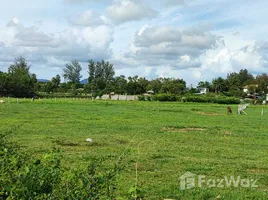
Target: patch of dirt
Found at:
x=257, y=171
x=66, y=143
x=228, y=133
x=121, y=141
x=183, y=130
x=208, y=113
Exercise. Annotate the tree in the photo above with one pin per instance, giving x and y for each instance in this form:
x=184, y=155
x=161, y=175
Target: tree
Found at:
x=53, y=85
x=22, y=82
x=245, y=77
x=219, y=85
x=4, y=84
x=20, y=64
x=120, y=85
x=56, y=81
x=204, y=84
x=101, y=75
x=72, y=73
x=173, y=86
x=239, y=80
x=132, y=85
x=262, y=82
x=155, y=85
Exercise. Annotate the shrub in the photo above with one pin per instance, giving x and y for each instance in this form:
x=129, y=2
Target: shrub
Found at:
x=144, y=98
x=166, y=97
x=210, y=98
x=22, y=177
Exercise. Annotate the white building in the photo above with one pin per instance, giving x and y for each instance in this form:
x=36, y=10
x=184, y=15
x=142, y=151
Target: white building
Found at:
x=203, y=90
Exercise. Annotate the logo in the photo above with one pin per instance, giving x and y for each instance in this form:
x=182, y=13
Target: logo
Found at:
x=190, y=180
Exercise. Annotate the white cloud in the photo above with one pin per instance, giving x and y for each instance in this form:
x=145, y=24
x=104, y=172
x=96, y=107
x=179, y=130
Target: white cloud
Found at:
x=51, y=50
x=127, y=10
x=87, y=18
x=33, y=37
x=169, y=46
x=13, y=23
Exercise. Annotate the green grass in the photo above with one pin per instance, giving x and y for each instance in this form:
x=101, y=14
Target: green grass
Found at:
x=173, y=138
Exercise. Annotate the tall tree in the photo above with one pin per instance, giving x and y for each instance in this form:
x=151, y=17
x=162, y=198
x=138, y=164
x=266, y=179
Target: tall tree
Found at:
x=120, y=85
x=204, y=84
x=101, y=75
x=173, y=86
x=22, y=82
x=132, y=85
x=72, y=72
x=4, y=84
x=219, y=85
x=155, y=85
x=262, y=82
x=53, y=85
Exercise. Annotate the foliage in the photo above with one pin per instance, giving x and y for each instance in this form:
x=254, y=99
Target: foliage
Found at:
x=120, y=85
x=101, y=75
x=173, y=86
x=197, y=98
x=23, y=177
x=53, y=85
x=209, y=99
x=18, y=82
x=225, y=145
x=166, y=97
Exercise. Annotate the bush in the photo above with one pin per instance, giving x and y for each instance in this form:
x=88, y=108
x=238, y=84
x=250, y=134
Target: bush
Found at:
x=22, y=177
x=62, y=95
x=144, y=98
x=209, y=98
x=212, y=99
x=166, y=97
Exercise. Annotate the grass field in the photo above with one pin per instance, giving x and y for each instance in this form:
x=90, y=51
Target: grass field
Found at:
x=164, y=139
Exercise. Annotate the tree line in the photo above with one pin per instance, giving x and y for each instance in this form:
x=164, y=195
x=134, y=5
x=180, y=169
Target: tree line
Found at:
x=19, y=82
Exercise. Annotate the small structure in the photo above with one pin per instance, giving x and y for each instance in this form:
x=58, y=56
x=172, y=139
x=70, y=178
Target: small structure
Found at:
x=150, y=92
x=203, y=91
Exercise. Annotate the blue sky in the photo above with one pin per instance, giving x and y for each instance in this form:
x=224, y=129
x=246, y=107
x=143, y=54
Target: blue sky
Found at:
x=195, y=40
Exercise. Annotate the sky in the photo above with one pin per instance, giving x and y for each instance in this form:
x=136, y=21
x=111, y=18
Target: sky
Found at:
x=196, y=40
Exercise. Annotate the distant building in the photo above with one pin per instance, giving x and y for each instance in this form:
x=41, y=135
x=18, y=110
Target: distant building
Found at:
x=203, y=90
x=150, y=92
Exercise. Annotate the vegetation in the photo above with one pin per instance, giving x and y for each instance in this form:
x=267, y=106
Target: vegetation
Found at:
x=161, y=141
x=44, y=177
x=19, y=82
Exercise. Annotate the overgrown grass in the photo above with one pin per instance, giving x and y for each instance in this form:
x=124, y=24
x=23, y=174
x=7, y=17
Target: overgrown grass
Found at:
x=172, y=138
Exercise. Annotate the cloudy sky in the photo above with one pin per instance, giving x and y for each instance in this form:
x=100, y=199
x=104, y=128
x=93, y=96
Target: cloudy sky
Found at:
x=195, y=40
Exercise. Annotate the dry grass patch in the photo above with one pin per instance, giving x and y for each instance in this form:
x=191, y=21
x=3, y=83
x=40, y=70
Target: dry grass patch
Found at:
x=257, y=171
x=182, y=130
x=228, y=133
x=208, y=113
